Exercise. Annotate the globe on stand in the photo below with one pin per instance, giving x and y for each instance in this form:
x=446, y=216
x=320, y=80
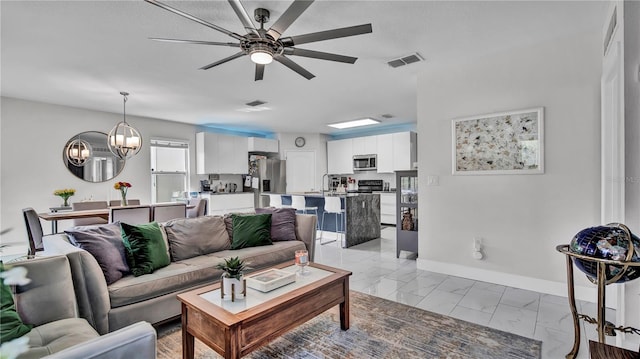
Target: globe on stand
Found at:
x=613, y=242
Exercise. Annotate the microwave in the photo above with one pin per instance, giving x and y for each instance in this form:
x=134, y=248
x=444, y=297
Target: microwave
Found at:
x=364, y=163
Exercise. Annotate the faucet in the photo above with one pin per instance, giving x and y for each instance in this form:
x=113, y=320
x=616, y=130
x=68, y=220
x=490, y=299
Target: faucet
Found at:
x=322, y=184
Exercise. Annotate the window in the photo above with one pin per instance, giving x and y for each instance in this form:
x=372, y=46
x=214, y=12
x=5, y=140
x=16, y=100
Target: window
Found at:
x=169, y=170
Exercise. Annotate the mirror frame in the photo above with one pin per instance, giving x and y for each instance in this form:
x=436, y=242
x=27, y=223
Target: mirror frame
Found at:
x=78, y=171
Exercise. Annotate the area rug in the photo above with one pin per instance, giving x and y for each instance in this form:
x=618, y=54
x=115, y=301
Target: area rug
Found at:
x=379, y=329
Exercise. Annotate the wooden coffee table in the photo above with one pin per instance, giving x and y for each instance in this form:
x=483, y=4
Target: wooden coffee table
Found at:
x=234, y=329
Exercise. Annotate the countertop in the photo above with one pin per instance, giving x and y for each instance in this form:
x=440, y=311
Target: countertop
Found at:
x=320, y=195
x=219, y=193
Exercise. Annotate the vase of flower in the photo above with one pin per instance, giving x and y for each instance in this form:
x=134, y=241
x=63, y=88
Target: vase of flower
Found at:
x=233, y=284
x=123, y=187
x=65, y=194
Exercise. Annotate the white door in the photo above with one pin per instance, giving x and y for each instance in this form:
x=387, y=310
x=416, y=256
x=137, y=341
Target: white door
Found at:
x=612, y=147
x=301, y=171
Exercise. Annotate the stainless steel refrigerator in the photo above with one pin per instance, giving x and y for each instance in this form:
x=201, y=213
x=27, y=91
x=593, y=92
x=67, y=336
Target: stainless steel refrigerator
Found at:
x=271, y=178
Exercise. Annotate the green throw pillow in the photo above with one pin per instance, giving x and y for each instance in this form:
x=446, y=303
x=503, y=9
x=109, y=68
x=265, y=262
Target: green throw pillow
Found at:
x=144, y=247
x=251, y=230
x=11, y=326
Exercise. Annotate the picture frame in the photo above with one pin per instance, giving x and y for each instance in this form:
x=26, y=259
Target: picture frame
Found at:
x=509, y=142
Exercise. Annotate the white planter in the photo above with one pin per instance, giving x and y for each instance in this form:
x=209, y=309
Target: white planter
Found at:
x=232, y=288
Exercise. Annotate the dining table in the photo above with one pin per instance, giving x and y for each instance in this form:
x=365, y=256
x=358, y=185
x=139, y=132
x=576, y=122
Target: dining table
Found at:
x=54, y=217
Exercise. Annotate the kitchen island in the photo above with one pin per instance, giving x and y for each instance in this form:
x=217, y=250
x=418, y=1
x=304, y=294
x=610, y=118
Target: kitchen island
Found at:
x=361, y=220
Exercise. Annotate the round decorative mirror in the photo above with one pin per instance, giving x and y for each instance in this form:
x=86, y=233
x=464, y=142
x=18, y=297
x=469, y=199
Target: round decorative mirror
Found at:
x=87, y=156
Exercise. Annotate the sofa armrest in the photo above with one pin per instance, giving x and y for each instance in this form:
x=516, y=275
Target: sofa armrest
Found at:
x=91, y=290
x=50, y=294
x=306, y=231
x=135, y=341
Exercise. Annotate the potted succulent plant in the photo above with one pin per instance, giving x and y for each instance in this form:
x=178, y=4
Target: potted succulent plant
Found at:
x=233, y=284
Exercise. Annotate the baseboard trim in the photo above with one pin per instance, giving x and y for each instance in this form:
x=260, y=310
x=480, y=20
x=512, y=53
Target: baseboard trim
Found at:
x=517, y=281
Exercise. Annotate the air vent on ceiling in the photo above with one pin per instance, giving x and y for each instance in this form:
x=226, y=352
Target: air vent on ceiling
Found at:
x=387, y=115
x=255, y=103
x=406, y=60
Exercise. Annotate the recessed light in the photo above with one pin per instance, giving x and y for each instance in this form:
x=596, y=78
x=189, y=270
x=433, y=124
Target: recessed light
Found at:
x=354, y=123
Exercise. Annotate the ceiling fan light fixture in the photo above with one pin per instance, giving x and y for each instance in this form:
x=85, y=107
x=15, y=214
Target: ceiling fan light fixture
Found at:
x=354, y=123
x=261, y=54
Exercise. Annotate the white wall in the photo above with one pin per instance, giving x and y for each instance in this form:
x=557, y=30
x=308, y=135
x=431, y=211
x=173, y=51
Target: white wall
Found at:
x=521, y=218
x=313, y=142
x=33, y=137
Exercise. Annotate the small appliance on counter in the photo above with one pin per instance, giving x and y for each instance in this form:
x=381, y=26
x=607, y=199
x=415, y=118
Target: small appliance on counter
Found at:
x=205, y=186
x=368, y=186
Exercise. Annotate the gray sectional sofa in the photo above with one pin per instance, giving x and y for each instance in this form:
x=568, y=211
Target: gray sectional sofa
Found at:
x=152, y=297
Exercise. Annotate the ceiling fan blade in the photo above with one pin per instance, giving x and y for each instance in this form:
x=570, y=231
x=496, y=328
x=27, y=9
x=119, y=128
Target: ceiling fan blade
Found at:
x=244, y=17
x=196, y=42
x=319, y=55
x=259, y=72
x=226, y=59
x=293, y=66
x=193, y=18
x=327, y=35
x=288, y=17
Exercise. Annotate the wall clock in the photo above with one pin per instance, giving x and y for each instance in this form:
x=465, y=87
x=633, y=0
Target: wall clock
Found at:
x=300, y=141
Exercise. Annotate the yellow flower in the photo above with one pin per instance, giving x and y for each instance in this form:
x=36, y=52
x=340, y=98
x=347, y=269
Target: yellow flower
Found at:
x=67, y=192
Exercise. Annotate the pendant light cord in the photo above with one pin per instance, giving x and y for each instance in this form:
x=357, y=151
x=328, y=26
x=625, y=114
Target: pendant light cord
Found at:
x=124, y=106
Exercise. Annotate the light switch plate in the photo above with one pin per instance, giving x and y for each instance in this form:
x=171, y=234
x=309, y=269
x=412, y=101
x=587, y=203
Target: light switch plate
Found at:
x=433, y=180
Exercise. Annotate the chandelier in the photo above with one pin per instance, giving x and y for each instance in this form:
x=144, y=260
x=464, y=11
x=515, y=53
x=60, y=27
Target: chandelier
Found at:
x=124, y=140
x=78, y=152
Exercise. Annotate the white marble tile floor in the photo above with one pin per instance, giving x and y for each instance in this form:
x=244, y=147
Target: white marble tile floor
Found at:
x=377, y=271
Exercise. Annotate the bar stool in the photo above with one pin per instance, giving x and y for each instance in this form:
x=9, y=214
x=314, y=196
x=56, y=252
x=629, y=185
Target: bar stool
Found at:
x=300, y=204
x=275, y=200
x=333, y=205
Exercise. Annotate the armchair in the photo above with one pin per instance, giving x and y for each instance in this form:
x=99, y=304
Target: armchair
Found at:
x=49, y=303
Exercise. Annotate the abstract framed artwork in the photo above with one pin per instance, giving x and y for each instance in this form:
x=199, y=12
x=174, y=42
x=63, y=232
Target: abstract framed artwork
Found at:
x=499, y=143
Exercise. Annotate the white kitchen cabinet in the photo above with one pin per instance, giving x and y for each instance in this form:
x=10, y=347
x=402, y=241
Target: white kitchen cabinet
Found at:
x=340, y=156
x=220, y=204
x=216, y=153
x=384, y=151
x=366, y=145
x=404, y=150
x=388, y=208
x=258, y=144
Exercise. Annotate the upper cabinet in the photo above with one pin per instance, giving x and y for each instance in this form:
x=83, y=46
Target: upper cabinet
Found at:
x=340, y=156
x=258, y=144
x=216, y=153
x=365, y=145
x=395, y=152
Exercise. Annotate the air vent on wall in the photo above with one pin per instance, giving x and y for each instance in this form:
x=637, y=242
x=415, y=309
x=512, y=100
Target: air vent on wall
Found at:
x=406, y=60
x=255, y=103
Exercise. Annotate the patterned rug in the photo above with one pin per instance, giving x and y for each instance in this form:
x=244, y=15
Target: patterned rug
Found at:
x=379, y=329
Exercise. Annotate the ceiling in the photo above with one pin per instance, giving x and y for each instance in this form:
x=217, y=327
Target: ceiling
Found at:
x=83, y=53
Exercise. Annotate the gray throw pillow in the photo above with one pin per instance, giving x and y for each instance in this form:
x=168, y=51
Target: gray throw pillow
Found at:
x=283, y=223
x=104, y=242
x=191, y=237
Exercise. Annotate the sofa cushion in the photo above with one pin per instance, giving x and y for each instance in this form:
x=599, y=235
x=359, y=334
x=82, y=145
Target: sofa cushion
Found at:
x=105, y=244
x=58, y=335
x=190, y=237
x=175, y=277
x=145, y=247
x=265, y=256
x=251, y=230
x=283, y=223
x=11, y=326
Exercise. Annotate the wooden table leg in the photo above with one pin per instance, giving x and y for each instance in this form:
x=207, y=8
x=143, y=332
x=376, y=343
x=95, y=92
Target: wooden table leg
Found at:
x=188, y=341
x=344, y=307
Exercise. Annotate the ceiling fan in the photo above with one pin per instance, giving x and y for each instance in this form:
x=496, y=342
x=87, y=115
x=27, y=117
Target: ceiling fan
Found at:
x=263, y=46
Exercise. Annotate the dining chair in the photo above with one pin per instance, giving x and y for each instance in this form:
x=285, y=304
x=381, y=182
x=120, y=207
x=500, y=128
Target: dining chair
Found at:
x=34, y=230
x=130, y=202
x=162, y=212
x=199, y=209
x=333, y=205
x=130, y=214
x=83, y=206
